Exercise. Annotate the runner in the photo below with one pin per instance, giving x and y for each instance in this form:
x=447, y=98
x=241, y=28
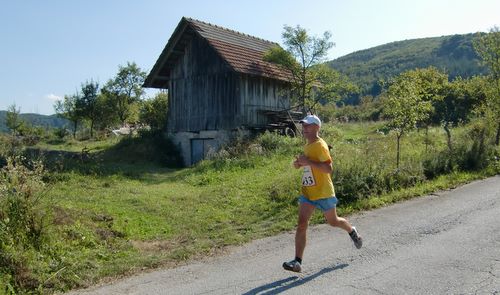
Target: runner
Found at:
x=317, y=190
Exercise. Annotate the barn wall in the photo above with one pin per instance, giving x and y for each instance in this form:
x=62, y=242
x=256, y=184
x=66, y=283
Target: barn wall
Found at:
x=209, y=102
x=203, y=91
x=259, y=93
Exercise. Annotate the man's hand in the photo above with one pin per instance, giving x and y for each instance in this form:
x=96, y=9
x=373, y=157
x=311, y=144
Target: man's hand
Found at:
x=301, y=161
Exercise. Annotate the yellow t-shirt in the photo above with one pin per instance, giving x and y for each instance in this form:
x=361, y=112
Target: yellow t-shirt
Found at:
x=315, y=183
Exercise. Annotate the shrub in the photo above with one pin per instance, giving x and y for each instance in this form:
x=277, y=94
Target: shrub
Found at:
x=61, y=132
x=149, y=146
x=477, y=149
x=168, y=153
x=10, y=146
x=272, y=141
x=438, y=164
x=245, y=152
x=473, y=150
x=22, y=221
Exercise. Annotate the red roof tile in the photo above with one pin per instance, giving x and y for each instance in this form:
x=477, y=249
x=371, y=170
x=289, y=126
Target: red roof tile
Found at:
x=243, y=53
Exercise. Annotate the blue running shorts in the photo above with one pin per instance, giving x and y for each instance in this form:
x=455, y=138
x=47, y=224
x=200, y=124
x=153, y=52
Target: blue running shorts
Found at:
x=322, y=204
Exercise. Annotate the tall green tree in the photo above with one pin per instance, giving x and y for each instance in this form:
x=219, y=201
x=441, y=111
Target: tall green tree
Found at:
x=90, y=106
x=451, y=109
x=331, y=86
x=13, y=121
x=488, y=48
x=404, y=109
x=70, y=108
x=125, y=90
x=154, y=111
x=302, y=53
x=430, y=86
x=106, y=116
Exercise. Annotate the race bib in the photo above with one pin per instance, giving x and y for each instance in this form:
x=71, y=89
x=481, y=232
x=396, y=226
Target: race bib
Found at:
x=308, y=177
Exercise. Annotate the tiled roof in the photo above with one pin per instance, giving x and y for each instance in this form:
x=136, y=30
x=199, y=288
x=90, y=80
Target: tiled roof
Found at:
x=243, y=53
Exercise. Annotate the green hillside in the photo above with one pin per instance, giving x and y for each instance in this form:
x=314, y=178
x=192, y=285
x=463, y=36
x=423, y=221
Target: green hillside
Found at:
x=454, y=54
x=52, y=121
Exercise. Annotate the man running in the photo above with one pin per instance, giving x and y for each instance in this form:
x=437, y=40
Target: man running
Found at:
x=317, y=190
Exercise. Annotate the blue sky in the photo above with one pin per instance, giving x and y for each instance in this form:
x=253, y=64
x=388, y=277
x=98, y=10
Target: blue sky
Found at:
x=48, y=48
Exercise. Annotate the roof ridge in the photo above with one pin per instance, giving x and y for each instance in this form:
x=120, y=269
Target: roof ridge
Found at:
x=189, y=19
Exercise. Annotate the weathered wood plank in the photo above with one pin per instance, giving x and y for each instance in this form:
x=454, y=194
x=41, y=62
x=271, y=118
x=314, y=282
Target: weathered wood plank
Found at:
x=205, y=94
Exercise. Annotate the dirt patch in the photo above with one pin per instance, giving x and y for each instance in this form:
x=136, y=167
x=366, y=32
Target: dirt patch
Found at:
x=154, y=246
x=102, y=218
x=106, y=234
x=62, y=216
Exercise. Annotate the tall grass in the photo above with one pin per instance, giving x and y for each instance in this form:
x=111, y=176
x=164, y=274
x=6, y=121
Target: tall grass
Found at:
x=22, y=222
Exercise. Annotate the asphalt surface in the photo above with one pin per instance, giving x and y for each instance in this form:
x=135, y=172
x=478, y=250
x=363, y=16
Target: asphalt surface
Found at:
x=444, y=243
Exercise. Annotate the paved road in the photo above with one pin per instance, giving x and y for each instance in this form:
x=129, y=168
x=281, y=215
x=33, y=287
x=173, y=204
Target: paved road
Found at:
x=445, y=243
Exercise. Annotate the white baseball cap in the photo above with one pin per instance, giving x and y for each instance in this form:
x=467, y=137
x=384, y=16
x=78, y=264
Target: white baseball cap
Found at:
x=311, y=119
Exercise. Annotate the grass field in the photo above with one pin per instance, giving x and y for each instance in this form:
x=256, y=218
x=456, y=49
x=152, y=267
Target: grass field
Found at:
x=119, y=212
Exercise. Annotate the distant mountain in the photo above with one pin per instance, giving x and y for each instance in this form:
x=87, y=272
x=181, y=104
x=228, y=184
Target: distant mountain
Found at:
x=52, y=121
x=454, y=54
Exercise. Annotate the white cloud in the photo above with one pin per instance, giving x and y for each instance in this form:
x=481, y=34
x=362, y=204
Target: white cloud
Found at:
x=53, y=97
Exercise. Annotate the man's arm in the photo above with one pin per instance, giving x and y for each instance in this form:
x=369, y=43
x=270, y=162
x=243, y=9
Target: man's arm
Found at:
x=325, y=167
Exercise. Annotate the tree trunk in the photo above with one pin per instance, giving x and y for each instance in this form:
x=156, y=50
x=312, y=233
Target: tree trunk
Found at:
x=426, y=138
x=448, y=135
x=398, y=153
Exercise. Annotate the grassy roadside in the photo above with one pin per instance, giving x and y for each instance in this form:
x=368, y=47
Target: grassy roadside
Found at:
x=164, y=223
x=118, y=212
x=443, y=182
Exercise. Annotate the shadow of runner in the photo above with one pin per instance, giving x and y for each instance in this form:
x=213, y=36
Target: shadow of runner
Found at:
x=282, y=285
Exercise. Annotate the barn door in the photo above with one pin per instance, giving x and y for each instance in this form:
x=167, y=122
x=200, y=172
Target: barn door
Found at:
x=200, y=148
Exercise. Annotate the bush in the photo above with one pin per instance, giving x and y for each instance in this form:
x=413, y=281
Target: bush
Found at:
x=148, y=146
x=10, y=146
x=244, y=152
x=22, y=221
x=473, y=150
x=61, y=132
x=438, y=164
x=363, y=178
x=477, y=149
x=272, y=141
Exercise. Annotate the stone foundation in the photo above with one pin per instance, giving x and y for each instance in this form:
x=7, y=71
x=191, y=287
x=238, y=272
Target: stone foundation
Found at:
x=195, y=146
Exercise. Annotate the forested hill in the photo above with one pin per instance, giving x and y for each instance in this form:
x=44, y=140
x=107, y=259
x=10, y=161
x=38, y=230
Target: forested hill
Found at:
x=44, y=121
x=454, y=54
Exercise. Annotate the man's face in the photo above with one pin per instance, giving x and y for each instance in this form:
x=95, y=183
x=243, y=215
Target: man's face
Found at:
x=309, y=129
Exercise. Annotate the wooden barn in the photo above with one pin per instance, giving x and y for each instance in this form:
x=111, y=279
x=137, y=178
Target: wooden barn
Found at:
x=218, y=84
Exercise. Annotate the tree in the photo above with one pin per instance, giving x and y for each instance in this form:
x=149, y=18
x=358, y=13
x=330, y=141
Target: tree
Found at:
x=302, y=53
x=331, y=86
x=461, y=98
x=12, y=120
x=404, y=108
x=89, y=103
x=70, y=108
x=106, y=116
x=125, y=90
x=432, y=86
x=154, y=111
x=450, y=104
x=488, y=48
